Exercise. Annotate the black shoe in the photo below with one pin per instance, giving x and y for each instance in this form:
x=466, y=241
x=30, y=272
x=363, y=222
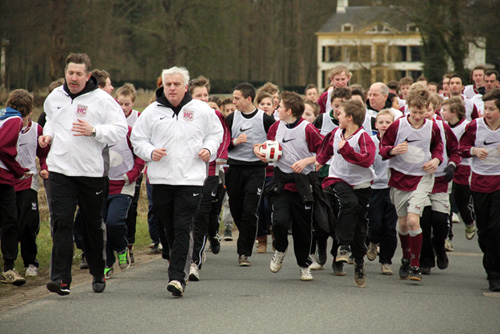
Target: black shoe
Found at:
x=404, y=270
x=359, y=275
x=442, y=260
x=98, y=284
x=494, y=284
x=321, y=252
x=338, y=268
x=425, y=270
x=215, y=245
x=84, y=264
x=62, y=289
x=415, y=274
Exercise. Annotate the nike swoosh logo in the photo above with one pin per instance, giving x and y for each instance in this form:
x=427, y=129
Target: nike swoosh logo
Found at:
x=243, y=130
x=196, y=194
x=99, y=192
x=22, y=144
x=58, y=107
x=286, y=141
x=410, y=140
x=163, y=117
x=491, y=142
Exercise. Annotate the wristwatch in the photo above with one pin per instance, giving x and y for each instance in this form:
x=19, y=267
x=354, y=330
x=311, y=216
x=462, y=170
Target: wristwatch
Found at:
x=93, y=133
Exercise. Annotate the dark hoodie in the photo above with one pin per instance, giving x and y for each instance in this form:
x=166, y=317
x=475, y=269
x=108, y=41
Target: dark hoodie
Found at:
x=162, y=99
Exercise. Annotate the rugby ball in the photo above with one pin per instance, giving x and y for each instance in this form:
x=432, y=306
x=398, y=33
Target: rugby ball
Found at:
x=272, y=150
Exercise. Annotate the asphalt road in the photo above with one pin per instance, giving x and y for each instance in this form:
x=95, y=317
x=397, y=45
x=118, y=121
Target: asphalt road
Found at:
x=230, y=299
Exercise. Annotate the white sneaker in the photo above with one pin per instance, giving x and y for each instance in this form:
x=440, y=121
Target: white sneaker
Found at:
x=277, y=261
x=314, y=265
x=176, y=288
x=305, y=274
x=31, y=271
x=194, y=273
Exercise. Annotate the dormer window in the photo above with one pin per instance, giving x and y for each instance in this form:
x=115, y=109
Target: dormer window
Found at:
x=412, y=27
x=347, y=27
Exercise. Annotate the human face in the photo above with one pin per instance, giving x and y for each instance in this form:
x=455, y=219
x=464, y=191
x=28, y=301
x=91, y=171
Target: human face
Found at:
x=174, y=88
x=228, y=109
x=456, y=87
x=266, y=105
x=490, y=82
x=417, y=115
x=446, y=85
x=312, y=94
x=395, y=103
x=404, y=91
x=446, y=113
x=376, y=98
x=492, y=114
x=308, y=114
x=276, y=100
x=430, y=112
x=108, y=88
x=344, y=120
x=241, y=103
x=76, y=76
x=477, y=77
x=336, y=105
x=340, y=80
x=200, y=93
x=284, y=114
x=432, y=88
x=213, y=105
x=126, y=103
x=382, y=124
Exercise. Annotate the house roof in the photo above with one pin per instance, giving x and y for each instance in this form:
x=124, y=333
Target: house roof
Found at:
x=364, y=16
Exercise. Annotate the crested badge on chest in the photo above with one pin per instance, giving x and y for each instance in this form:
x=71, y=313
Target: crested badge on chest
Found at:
x=81, y=110
x=188, y=115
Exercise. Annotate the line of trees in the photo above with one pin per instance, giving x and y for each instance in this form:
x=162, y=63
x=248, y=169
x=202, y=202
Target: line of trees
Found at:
x=226, y=40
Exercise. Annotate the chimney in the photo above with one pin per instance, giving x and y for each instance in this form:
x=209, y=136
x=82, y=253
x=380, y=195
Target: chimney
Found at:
x=342, y=5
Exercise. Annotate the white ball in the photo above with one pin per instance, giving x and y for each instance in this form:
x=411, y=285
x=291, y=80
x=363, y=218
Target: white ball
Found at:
x=272, y=150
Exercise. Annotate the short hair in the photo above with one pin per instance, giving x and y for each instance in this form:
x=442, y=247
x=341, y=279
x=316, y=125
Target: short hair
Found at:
x=384, y=90
x=226, y=101
x=405, y=81
x=478, y=67
x=358, y=90
x=293, y=101
x=127, y=89
x=176, y=70
x=493, y=95
x=338, y=70
x=490, y=72
x=200, y=81
x=392, y=96
x=432, y=83
x=418, y=97
x=21, y=100
x=311, y=86
x=54, y=84
x=393, y=85
x=436, y=100
x=268, y=87
x=216, y=100
x=341, y=93
x=313, y=105
x=455, y=75
x=101, y=76
x=79, y=58
x=456, y=106
x=356, y=109
x=383, y=112
x=263, y=95
x=422, y=78
x=246, y=89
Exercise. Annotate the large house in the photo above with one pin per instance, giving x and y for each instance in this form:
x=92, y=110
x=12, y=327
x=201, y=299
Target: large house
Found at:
x=377, y=43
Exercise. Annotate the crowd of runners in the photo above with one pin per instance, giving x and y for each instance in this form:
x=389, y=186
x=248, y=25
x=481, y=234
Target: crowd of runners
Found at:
x=364, y=168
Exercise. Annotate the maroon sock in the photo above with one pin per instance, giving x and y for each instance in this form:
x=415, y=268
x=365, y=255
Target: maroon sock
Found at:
x=416, y=247
x=405, y=245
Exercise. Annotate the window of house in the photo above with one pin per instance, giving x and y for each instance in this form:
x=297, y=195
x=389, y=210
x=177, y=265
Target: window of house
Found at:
x=415, y=54
x=347, y=27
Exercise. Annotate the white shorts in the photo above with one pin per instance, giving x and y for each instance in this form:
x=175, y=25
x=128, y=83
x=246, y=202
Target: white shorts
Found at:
x=413, y=201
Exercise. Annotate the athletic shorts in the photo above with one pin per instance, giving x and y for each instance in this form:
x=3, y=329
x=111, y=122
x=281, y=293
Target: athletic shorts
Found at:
x=413, y=201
